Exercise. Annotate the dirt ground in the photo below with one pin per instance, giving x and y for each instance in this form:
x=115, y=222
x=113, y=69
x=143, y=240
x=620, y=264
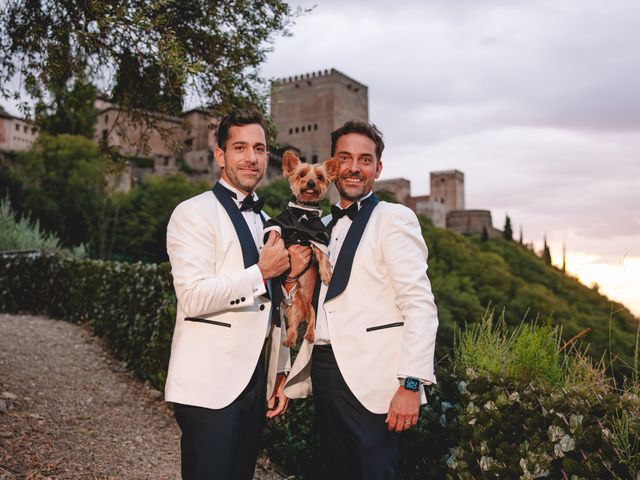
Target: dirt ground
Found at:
x=70, y=410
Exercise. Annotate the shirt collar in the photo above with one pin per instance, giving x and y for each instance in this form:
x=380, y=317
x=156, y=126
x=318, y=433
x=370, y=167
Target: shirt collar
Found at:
x=239, y=195
x=359, y=201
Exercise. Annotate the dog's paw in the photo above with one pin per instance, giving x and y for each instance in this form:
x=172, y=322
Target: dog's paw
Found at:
x=325, y=277
x=309, y=337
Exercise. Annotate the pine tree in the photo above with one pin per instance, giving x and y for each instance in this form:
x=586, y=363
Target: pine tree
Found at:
x=508, y=230
x=546, y=253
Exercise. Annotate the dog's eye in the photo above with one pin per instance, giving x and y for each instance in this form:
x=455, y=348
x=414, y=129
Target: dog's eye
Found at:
x=321, y=178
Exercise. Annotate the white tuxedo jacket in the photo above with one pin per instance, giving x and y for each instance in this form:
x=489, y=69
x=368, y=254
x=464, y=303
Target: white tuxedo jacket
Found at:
x=380, y=309
x=220, y=326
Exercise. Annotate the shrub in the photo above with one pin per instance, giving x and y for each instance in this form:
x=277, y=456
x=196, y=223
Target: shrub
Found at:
x=22, y=234
x=511, y=406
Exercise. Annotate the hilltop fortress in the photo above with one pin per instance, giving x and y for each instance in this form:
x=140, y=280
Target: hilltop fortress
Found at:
x=305, y=108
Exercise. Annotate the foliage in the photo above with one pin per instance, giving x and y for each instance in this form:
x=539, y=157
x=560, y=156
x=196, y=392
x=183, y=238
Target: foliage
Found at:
x=21, y=233
x=70, y=112
x=527, y=352
x=507, y=234
x=468, y=274
x=65, y=186
x=198, y=47
x=510, y=420
x=546, y=253
x=144, y=213
x=131, y=306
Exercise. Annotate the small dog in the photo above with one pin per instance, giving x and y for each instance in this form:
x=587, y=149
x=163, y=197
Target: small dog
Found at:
x=301, y=224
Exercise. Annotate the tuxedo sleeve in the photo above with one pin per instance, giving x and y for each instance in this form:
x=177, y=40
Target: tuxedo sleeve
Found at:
x=200, y=291
x=405, y=255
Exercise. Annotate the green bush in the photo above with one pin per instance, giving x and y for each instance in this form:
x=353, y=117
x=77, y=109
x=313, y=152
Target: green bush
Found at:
x=22, y=234
x=509, y=406
x=131, y=306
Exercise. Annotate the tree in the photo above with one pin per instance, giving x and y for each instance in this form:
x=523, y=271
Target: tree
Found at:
x=546, y=253
x=485, y=234
x=65, y=187
x=144, y=213
x=508, y=230
x=71, y=111
x=207, y=48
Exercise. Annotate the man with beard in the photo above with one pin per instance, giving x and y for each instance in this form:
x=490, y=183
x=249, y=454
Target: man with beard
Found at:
x=376, y=321
x=227, y=356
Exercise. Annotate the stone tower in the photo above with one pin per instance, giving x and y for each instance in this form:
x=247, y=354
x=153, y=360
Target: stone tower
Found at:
x=447, y=187
x=307, y=108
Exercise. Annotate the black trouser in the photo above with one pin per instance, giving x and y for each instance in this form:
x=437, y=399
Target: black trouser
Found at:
x=355, y=443
x=224, y=444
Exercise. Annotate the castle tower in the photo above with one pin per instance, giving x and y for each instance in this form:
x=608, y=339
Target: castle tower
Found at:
x=307, y=108
x=447, y=187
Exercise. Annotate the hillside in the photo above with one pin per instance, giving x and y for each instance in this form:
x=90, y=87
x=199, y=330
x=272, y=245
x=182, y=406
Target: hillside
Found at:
x=470, y=275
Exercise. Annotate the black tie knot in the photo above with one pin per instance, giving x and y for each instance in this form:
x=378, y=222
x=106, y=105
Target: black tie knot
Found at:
x=337, y=213
x=250, y=204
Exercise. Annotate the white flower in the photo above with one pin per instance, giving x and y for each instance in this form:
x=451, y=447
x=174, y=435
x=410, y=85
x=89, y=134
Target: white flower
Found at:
x=555, y=433
x=575, y=421
x=486, y=463
x=557, y=450
x=462, y=387
x=490, y=405
x=567, y=443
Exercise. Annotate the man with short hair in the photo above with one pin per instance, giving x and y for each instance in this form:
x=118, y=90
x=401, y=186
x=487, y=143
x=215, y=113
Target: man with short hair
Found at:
x=227, y=356
x=376, y=322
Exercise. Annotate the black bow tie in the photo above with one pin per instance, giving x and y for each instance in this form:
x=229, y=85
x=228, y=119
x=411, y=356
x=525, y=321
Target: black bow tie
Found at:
x=337, y=213
x=250, y=204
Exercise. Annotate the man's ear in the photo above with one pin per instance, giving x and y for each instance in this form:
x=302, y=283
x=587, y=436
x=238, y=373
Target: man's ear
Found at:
x=378, y=168
x=333, y=167
x=218, y=154
x=290, y=162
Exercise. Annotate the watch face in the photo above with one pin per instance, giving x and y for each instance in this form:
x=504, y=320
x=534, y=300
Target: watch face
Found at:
x=411, y=384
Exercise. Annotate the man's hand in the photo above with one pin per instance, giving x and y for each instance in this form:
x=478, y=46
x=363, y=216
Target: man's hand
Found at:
x=274, y=259
x=299, y=257
x=278, y=402
x=403, y=410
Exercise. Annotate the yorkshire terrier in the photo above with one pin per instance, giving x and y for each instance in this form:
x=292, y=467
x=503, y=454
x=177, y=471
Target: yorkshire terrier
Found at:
x=300, y=224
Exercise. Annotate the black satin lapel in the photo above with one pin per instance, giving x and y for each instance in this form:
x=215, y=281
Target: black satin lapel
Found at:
x=342, y=270
x=247, y=244
x=316, y=294
x=276, y=299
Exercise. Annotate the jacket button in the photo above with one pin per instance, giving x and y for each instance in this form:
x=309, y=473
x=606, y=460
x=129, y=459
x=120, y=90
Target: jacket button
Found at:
x=233, y=302
x=243, y=299
x=261, y=307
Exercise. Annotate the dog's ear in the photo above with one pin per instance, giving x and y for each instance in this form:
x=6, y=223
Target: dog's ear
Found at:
x=333, y=166
x=290, y=162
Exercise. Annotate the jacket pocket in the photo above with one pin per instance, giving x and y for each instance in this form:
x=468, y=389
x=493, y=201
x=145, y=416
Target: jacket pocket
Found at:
x=204, y=320
x=388, y=325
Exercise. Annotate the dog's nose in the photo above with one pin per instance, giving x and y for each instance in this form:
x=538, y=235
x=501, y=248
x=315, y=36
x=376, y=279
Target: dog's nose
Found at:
x=311, y=184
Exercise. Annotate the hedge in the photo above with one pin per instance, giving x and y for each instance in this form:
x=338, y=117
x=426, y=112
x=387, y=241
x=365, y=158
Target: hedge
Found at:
x=478, y=423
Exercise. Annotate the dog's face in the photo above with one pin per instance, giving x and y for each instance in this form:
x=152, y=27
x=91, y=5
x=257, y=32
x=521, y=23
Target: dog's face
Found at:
x=309, y=182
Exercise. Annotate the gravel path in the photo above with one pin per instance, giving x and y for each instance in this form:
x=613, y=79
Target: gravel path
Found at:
x=70, y=410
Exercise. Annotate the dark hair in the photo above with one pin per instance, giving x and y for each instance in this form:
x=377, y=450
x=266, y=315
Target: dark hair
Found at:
x=238, y=118
x=363, y=128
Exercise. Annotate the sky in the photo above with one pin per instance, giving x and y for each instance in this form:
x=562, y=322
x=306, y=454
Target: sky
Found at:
x=538, y=103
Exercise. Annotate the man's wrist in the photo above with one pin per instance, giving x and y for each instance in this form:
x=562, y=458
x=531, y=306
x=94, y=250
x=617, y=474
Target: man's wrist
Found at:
x=410, y=383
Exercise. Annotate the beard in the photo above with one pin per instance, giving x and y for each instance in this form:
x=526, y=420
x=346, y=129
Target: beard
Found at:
x=353, y=192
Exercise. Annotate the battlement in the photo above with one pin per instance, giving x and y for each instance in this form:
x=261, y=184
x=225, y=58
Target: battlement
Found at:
x=448, y=173
x=330, y=72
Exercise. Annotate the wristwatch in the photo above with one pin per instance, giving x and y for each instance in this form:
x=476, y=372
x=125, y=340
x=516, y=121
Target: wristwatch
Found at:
x=412, y=384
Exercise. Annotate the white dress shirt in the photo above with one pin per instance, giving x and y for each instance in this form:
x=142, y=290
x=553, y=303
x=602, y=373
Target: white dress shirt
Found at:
x=254, y=222
x=338, y=234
